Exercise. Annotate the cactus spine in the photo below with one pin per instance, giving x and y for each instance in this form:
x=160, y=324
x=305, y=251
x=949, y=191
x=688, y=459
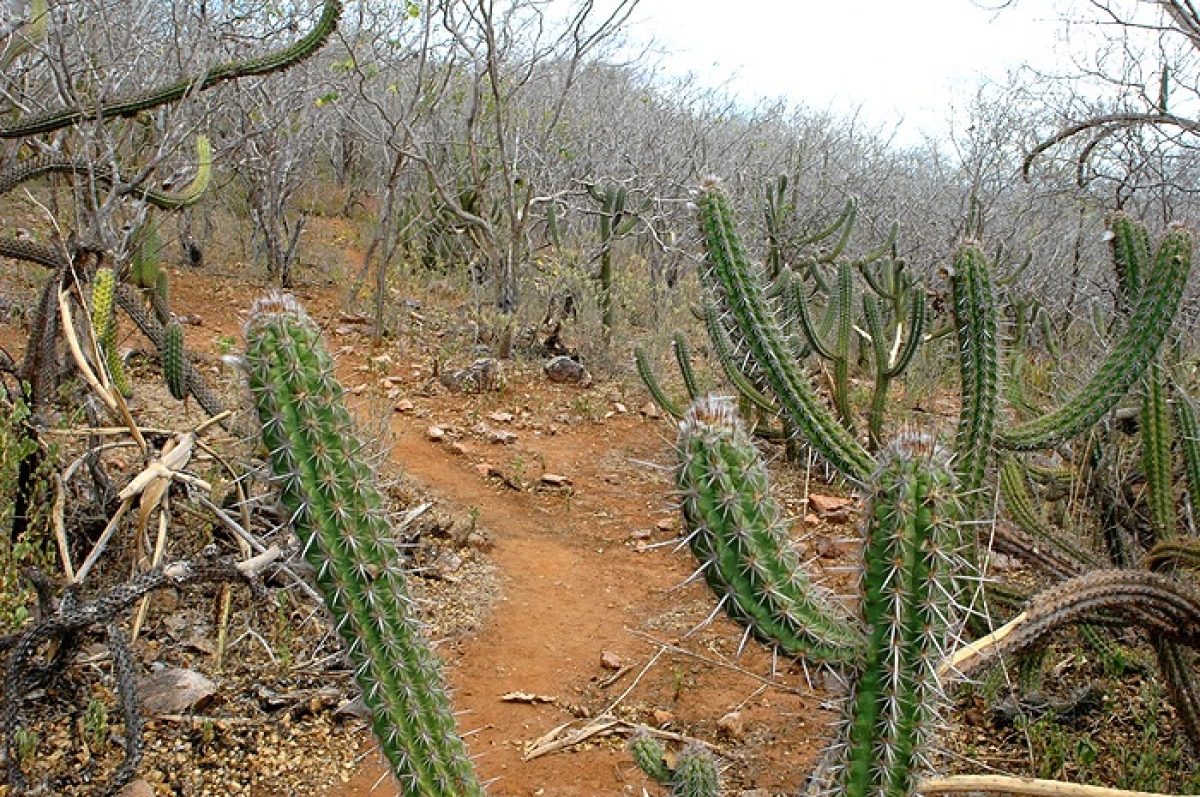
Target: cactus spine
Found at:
x=330, y=493
x=735, y=529
x=729, y=273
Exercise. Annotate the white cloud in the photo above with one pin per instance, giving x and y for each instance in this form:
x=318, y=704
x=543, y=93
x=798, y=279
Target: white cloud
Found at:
x=892, y=59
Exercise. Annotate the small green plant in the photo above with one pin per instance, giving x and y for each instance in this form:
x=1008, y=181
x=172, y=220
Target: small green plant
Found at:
x=95, y=725
x=26, y=741
x=284, y=632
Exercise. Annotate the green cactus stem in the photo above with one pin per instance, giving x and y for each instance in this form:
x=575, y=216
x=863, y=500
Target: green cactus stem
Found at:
x=979, y=368
x=652, y=384
x=890, y=360
x=696, y=773
x=729, y=273
x=104, y=324
x=723, y=348
x=329, y=491
x=1149, y=322
x=650, y=755
x=1041, y=545
x=913, y=575
x=836, y=351
x=174, y=361
x=1131, y=253
x=736, y=531
x=1156, y=452
x=1189, y=442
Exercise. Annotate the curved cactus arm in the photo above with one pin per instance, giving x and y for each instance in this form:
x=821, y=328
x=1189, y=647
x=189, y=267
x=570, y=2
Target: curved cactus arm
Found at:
x=44, y=255
x=1042, y=545
x=166, y=200
x=684, y=360
x=913, y=581
x=652, y=384
x=32, y=31
x=729, y=272
x=274, y=61
x=1159, y=603
x=338, y=512
x=797, y=293
x=845, y=223
x=735, y=529
x=1156, y=452
x=1149, y=323
x=723, y=348
x=845, y=218
x=890, y=362
x=878, y=252
x=1131, y=253
x=979, y=367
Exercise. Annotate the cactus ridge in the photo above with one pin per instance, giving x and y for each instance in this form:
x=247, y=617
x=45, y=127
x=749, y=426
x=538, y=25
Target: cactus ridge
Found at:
x=728, y=270
x=1149, y=322
x=736, y=532
x=338, y=512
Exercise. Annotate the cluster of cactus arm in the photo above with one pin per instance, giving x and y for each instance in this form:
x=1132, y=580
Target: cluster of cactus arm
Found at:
x=731, y=541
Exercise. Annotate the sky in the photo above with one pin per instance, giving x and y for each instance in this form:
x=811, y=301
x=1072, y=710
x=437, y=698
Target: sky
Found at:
x=901, y=64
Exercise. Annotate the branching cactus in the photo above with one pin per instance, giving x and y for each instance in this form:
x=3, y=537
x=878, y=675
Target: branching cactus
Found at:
x=329, y=491
x=913, y=576
x=757, y=333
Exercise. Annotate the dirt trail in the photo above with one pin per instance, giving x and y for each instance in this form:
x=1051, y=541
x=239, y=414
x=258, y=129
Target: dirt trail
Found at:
x=576, y=585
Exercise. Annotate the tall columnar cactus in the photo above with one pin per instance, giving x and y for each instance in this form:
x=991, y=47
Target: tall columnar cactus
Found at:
x=979, y=367
x=729, y=273
x=329, y=491
x=614, y=224
x=913, y=579
x=1149, y=322
x=737, y=532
